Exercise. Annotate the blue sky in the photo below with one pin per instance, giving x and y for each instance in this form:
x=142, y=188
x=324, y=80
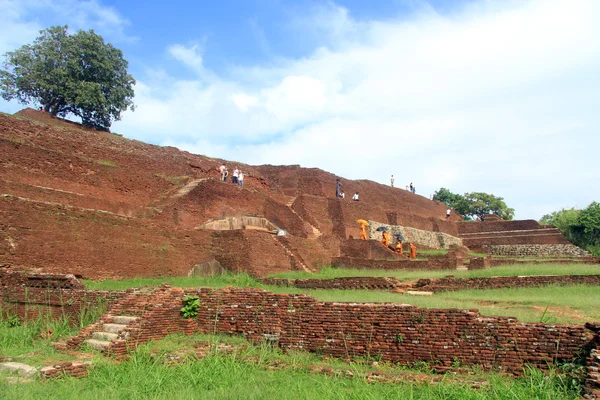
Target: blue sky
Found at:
x=473, y=95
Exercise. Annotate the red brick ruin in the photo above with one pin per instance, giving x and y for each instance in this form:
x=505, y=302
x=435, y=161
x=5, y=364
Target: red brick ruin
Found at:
x=77, y=202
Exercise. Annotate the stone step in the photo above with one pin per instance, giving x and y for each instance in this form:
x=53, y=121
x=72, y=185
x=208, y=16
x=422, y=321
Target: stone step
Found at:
x=123, y=319
x=105, y=336
x=418, y=293
x=18, y=368
x=113, y=328
x=98, y=344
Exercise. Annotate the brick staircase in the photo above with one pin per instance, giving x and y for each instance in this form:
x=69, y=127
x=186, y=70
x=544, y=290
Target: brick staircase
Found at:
x=295, y=259
x=115, y=330
x=316, y=233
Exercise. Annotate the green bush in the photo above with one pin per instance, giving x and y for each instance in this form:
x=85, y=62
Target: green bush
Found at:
x=191, y=304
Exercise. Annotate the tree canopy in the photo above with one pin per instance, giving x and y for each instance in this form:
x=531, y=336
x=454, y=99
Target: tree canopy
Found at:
x=474, y=204
x=67, y=73
x=581, y=227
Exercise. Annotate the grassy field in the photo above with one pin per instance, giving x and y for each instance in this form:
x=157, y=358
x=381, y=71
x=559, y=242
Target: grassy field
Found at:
x=237, y=280
x=552, y=304
x=216, y=367
x=506, y=270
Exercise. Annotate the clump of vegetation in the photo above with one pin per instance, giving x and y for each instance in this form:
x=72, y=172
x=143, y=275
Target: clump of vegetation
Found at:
x=475, y=204
x=581, y=227
x=191, y=304
x=107, y=163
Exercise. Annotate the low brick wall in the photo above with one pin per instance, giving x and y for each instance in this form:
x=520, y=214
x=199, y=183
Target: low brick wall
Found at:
x=350, y=283
x=480, y=263
x=393, y=332
x=592, y=381
x=74, y=369
x=29, y=295
x=452, y=284
x=433, y=264
x=397, y=333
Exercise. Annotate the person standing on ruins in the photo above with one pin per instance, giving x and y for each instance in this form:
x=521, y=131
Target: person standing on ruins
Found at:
x=399, y=246
x=355, y=197
x=234, y=177
x=413, y=251
x=448, y=213
x=241, y=178
x=222, y=170
x=392, y=180
x=338, y=188
x=385, y=238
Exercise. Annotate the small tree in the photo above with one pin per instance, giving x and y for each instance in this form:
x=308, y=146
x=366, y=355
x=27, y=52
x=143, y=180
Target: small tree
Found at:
x=78, y=74
x=481, y=204
x=476, y=203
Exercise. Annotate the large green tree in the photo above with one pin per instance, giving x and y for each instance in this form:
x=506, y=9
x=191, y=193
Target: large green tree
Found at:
x=66, y=73
x=475, y=204
x=581, y=227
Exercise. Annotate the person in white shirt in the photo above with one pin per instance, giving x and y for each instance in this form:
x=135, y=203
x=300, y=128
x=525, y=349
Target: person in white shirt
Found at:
x=222, y=170
x=448, y=213
x=355, y=197
x=241, y=178
x=234, y=177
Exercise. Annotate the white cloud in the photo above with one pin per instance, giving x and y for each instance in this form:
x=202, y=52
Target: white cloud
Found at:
x=494, y=98
x=499, y=96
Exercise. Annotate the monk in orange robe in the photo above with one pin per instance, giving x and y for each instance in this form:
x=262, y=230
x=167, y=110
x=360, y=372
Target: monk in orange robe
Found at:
x=399, y=247
x=363, y=232
x=413, y=251
x=385, y=239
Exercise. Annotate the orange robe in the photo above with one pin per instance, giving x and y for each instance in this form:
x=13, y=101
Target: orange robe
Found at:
x=363, y=232
x=385, y=239
x=399, y=247
x=413, y=251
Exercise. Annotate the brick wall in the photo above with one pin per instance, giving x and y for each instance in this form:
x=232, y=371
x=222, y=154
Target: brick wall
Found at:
x=349, y=283
x=391, y=332
x=256, y=253
x=74, y=369
x=433, y=264
x=479, y=227
x=592, y=381
x=30, y=295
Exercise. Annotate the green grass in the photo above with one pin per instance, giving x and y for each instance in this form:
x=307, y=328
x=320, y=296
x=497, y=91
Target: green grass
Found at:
x=24, y=343
x=506, y=270
x=107, y=163
x=30, y=342
x=228, y=279
x=569, y=304
x=259, y=372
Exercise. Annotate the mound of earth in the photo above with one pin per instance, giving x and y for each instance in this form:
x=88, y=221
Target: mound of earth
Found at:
x=76, y=200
